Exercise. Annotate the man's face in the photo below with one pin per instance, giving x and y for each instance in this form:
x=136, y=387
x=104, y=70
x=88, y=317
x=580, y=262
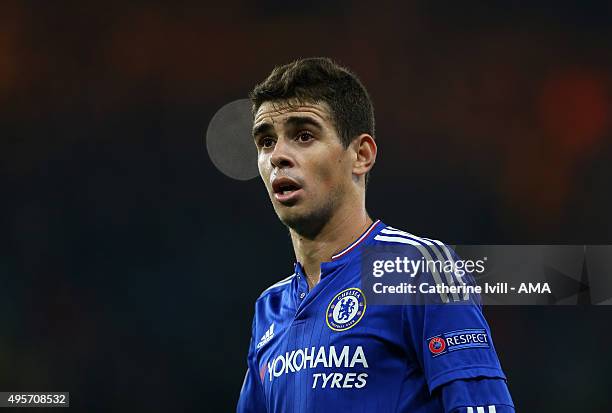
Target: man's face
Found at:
x=306, y=169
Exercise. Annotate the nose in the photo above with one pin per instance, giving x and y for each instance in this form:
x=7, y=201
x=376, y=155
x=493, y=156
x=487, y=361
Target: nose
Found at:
x=281, y=155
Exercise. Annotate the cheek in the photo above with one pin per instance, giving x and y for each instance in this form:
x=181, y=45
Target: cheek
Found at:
x=261, y=166
x=330, y=171
x=264, y=172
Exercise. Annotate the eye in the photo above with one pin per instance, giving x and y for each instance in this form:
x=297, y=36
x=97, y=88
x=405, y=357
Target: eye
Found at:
x=266, y=142
x=304, y=136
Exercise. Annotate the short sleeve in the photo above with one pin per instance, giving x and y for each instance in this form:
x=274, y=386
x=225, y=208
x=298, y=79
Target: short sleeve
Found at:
x=451, y=340
x=477, y=395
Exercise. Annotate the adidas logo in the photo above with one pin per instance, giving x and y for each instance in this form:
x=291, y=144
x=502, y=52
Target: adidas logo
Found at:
x=266, y=337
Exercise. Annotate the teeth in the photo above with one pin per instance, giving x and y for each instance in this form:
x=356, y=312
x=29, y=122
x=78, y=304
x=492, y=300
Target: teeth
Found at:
x=286, y=192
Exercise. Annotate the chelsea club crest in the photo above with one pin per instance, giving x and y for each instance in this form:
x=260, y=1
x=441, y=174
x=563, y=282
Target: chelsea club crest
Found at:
x=345, y=309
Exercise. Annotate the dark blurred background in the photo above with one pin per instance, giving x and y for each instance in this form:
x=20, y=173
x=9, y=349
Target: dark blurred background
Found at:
x=129, y=265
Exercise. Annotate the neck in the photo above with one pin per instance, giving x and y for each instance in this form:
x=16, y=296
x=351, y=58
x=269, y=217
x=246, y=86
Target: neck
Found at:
x=339, y=231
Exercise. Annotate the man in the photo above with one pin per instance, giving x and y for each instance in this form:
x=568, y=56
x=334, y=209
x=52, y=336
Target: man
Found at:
x=316, y=345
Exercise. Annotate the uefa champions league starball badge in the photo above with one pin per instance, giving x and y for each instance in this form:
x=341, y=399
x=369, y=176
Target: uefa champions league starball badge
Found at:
x=436, y=346
x=345, y=309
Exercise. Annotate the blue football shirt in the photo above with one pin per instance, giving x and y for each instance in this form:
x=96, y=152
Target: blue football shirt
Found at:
x=327, y=350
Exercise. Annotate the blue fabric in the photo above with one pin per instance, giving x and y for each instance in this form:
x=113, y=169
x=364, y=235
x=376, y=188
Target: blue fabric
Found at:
x=470, y=396
x=327, y=350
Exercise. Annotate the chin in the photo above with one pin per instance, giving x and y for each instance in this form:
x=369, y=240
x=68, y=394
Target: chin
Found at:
x=291, y=217
x=306, y=222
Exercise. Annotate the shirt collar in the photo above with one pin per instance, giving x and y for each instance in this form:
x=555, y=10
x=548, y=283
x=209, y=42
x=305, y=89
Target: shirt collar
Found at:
x=348, y=252
x=353, y=246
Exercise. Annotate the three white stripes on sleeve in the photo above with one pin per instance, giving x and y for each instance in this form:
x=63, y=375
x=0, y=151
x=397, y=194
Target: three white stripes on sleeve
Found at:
x=481, y=409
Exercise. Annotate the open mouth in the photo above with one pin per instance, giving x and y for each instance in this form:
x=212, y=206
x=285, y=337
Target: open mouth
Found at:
x=285, y=188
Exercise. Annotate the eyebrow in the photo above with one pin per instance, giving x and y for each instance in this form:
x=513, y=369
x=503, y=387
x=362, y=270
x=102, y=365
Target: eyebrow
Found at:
x=295, y=121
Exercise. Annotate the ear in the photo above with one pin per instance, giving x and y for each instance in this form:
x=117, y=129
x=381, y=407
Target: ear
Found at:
x=365, y=150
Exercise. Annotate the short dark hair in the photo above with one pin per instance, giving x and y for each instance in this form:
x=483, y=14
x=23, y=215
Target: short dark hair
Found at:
x=320, y=79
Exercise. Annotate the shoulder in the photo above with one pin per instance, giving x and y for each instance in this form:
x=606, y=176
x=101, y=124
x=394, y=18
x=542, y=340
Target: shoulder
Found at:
x=439, y=263
x=278, y=287
x=426, y=247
